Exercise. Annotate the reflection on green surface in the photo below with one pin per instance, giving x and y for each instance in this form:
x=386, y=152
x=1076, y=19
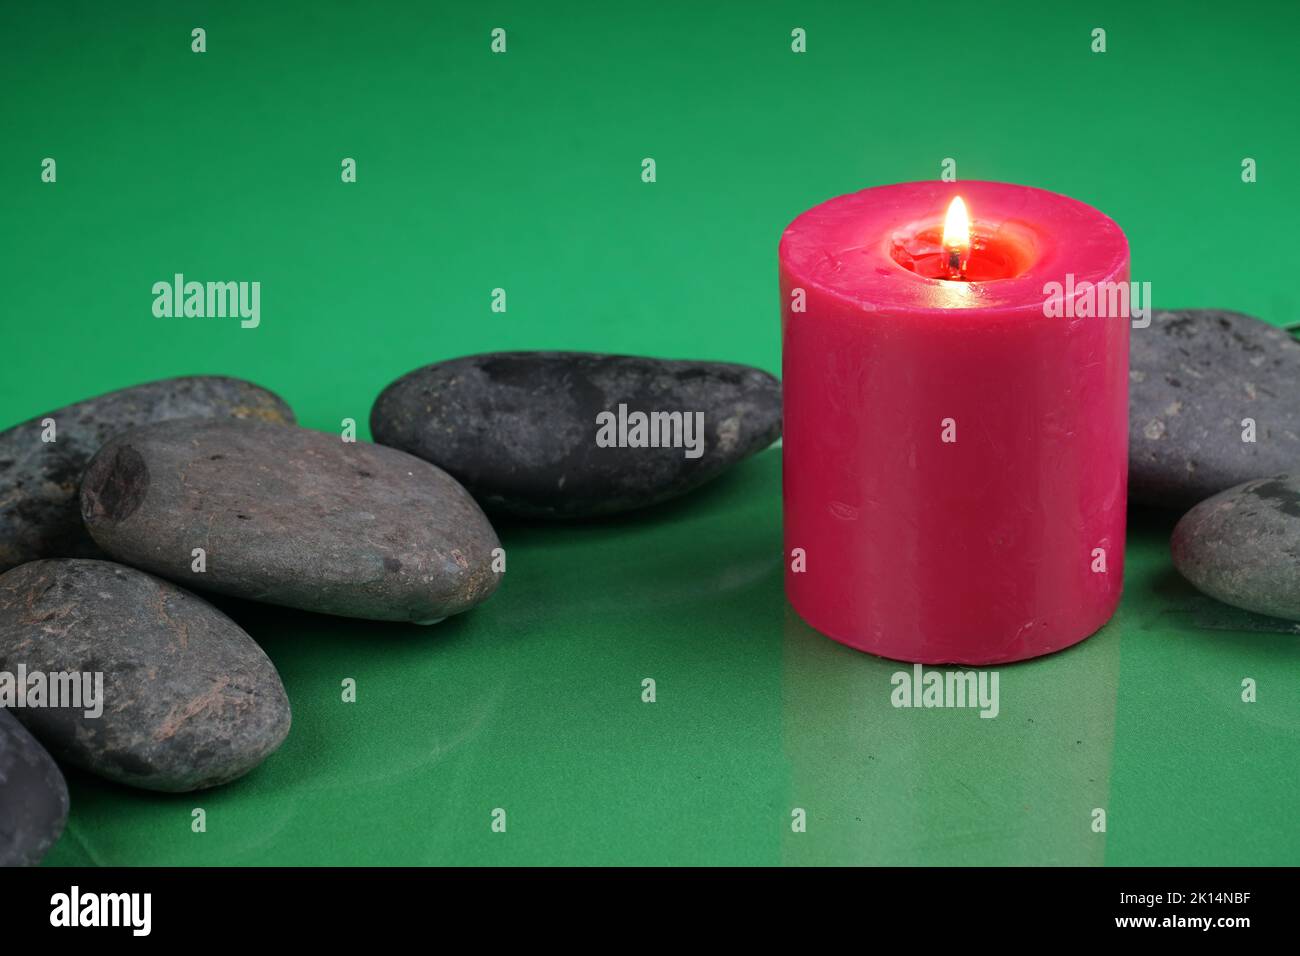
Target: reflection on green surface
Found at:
x=886, y=785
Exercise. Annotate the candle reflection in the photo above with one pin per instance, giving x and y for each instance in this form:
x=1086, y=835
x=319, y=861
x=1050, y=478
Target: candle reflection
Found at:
x=941, y=786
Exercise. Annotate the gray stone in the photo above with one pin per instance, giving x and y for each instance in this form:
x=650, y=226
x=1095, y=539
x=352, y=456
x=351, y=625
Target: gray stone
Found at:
x=519, y=429
x=1242, y=546
x=292, y=517
x=39, y=515
x=188, y=700
x=33, y=797
x=1194, y=376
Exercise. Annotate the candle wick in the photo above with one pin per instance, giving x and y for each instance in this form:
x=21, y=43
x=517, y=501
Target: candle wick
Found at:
x=956, y=265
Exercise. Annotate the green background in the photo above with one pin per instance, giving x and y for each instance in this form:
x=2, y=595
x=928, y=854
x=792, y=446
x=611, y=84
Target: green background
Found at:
x=522, y=171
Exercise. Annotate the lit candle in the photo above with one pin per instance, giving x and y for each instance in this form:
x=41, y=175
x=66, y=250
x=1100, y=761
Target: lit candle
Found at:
x=955, y=460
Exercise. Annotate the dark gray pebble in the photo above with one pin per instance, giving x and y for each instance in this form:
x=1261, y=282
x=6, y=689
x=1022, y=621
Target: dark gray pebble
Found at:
x=39, y=515
x=293, y=517
x=33, y=797
x=521, y=430
x=1242, y=546
x=187, y=699
x=1194, y=376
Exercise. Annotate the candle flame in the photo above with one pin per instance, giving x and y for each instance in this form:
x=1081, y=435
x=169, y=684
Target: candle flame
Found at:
x=956, y=240
x=956, y=226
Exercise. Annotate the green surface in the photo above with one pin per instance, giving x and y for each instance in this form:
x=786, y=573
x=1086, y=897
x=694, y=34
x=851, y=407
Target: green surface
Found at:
x=522, y=171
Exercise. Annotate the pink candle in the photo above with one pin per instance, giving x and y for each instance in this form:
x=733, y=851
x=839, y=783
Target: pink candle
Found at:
x=956, y=425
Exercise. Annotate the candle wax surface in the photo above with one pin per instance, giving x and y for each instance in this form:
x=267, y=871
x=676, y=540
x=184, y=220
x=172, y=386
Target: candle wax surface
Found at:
x=955, y=461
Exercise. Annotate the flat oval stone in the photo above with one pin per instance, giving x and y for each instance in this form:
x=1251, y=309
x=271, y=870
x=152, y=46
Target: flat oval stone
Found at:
x=555, y=434
x=293, y=517
x=1242, y=546
x=1195, y=375
x=33, y=797
x=39, y=514
x=186, y=699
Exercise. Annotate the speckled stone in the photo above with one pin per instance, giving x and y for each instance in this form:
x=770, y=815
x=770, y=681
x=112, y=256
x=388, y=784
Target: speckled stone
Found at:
x=33, y=797
x=291, y=516
x=1242, y=546
x=1194, y=376
x=39, y=515
x=189, y=701
x=519, y=429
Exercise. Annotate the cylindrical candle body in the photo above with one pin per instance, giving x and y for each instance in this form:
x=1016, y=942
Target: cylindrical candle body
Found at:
x=955, y=453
